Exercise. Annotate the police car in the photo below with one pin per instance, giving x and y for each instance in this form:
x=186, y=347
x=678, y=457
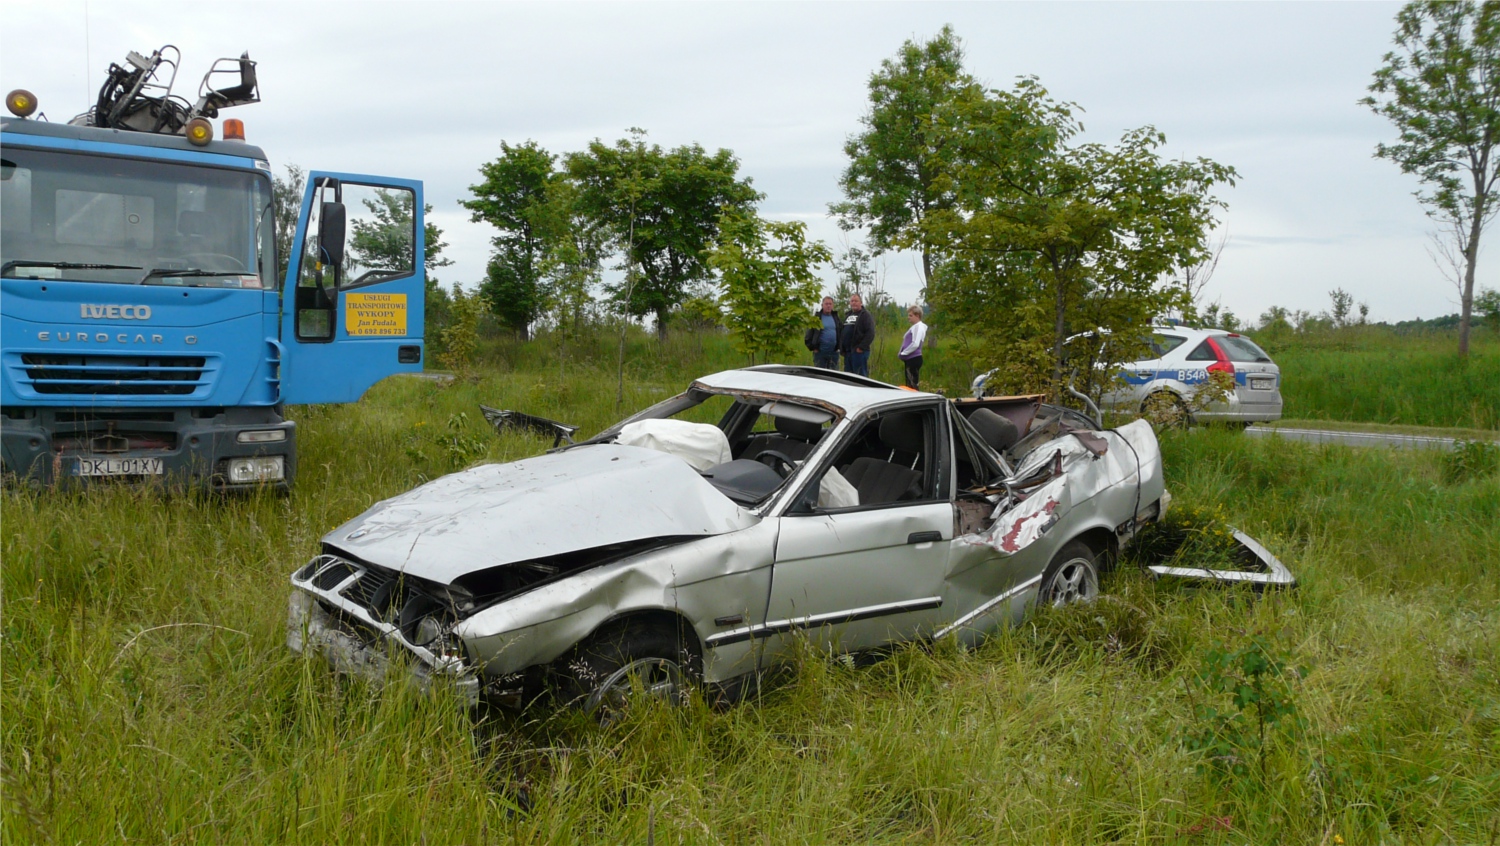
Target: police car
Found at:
x=1184, y=360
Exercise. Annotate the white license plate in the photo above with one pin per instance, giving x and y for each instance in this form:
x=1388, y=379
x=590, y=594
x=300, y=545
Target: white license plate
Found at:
x=119, y=466
x=1262, y=383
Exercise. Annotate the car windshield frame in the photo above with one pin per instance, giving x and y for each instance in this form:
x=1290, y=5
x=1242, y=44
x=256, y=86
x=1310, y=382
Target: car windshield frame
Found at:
x=79, y=217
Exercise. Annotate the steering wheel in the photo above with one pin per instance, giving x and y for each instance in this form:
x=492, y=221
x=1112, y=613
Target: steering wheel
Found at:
x=782, y=463
x=216, y=259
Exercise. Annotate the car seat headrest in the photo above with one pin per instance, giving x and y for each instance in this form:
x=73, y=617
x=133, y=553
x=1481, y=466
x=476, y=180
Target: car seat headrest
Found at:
x=902, y=431
x=999, y=432
x=801, y=430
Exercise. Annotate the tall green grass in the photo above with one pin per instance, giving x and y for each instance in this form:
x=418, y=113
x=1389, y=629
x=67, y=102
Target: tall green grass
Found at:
x=1375, y=375
x=146, y=694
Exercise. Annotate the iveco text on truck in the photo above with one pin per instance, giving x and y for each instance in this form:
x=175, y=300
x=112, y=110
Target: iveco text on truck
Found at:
x=146, y=331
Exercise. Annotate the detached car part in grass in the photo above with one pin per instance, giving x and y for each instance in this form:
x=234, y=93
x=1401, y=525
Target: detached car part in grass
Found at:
x=818, y=506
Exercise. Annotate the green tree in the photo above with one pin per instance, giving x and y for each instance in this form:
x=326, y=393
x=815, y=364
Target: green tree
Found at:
x=893, y=182
x=383, y=239
x=700, y=312
x=662, y=209
x=1049, y=240
x=511, y=198
x=286, y=202
x=1441, y=89
x=1487, y=303
x=576, y=246
x=855, y=274
x=460, y=338
x=767, y=276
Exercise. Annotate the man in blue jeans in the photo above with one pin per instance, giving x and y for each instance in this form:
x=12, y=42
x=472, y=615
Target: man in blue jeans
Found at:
x=857, y=337
x=826, y=355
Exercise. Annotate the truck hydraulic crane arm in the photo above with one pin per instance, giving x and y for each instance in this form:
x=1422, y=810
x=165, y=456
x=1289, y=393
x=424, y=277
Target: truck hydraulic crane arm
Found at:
x=138, y=95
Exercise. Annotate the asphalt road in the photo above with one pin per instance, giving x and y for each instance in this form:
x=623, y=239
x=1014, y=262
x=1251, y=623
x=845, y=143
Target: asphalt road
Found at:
x=1321, y=436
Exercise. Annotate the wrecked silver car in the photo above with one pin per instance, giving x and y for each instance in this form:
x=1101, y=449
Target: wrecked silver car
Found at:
x=705, y=537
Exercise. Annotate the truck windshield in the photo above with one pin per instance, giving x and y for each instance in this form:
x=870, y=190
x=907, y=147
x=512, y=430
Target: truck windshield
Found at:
x=91, y=218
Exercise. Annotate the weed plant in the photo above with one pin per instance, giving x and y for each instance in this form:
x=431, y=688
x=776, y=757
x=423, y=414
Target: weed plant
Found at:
x=146, y=694
x=1189, y=535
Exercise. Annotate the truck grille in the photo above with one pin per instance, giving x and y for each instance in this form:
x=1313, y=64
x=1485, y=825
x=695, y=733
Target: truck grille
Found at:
x=115, y=375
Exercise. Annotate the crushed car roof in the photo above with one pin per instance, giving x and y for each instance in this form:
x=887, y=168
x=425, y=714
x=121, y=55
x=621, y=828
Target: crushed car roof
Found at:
x=851, y=393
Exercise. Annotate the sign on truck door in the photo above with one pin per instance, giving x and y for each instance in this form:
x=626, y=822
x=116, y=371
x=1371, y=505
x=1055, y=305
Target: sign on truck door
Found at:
x=352, y=307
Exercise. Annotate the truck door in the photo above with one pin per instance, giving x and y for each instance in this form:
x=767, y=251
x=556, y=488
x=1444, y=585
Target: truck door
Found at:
x=351, y=305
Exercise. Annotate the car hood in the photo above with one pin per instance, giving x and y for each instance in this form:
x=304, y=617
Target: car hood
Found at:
x=583, y=498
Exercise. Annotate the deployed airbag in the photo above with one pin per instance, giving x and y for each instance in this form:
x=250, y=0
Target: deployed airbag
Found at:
x=699, y=444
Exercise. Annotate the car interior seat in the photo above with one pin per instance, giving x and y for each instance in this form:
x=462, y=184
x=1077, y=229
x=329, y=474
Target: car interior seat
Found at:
x=880, y=481
x=999, y=432
x=794, y=438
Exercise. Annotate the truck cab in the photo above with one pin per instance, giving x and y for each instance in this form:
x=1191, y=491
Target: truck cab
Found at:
x=146, y=331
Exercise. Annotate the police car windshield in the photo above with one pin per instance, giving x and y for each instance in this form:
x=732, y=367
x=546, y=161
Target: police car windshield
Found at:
x=66, y=216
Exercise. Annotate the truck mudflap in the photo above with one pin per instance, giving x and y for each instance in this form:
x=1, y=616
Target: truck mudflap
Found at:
x=1257, y=568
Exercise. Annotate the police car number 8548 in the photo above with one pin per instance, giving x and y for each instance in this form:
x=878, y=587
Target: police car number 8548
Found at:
x=119, y=466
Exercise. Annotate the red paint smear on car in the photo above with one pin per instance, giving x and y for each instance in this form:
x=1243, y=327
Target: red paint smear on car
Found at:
x=1008, y=543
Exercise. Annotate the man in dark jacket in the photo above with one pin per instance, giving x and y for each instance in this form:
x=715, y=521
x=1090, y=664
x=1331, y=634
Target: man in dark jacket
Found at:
x=857, y=337
x=824, y=340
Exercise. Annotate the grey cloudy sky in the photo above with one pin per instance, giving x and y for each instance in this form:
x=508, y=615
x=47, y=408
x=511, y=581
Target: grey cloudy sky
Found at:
x=428, y=91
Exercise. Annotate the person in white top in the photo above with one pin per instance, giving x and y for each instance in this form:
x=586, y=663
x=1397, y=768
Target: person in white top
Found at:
x=911, y=346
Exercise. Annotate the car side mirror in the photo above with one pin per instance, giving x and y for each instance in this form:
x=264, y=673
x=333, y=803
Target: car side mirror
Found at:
x=331, y=233
x=806, y=502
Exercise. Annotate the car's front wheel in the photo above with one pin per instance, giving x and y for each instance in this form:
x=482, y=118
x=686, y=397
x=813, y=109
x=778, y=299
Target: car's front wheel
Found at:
x=1073, y=576
x=626, y=662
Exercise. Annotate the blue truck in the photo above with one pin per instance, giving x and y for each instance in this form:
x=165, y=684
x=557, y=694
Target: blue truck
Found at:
x=147, y=333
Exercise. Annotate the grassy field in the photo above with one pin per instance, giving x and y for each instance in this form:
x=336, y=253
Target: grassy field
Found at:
x=1373, y=375
x=146, y=695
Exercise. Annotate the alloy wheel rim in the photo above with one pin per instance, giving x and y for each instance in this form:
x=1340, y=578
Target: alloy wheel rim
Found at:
x=655, y=678
x=1075, y=582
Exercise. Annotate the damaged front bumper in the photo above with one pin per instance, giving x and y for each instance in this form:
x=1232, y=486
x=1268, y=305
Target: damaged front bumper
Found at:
x=356, y=644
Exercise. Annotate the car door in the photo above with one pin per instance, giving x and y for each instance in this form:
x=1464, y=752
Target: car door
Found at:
x=352, y=303
x=856, y=577
x=983, y=587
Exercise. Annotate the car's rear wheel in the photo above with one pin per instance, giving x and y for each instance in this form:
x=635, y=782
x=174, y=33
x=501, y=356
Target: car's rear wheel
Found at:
x=626, y=663
x=1073, y=576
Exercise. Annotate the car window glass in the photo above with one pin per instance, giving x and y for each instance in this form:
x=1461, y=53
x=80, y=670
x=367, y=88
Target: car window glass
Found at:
x=1240, y=348
x=1163, y=344
x=381, y=233
x=1203, y=352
